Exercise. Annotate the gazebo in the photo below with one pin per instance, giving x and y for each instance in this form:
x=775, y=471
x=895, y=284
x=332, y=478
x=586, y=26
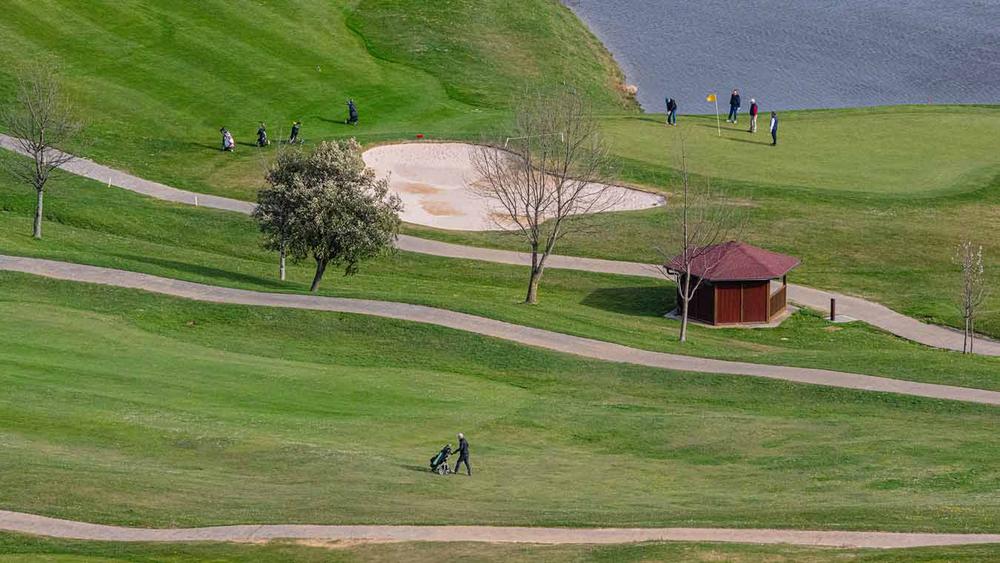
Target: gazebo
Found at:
x=740, y=284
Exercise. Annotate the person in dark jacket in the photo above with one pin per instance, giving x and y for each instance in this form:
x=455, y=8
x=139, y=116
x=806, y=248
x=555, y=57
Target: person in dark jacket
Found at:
x=262, y=136
x=671, y=111
x=463, y=454
x=352, y=113
x=774, y=129
x=734, y=106
x=753, y=115
x=294, y=138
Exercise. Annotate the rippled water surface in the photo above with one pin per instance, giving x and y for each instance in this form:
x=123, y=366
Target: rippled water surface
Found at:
x=803, y=54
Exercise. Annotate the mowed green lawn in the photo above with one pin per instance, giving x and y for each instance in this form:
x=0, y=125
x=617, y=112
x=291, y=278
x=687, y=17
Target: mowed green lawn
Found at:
x=126, y=407
x=90, y=223
x=154, y=80
x=873, y=200
x=19, y=548
x=904, y=151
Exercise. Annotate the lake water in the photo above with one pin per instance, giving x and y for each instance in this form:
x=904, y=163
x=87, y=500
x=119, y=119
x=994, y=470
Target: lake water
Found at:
x=802, y=53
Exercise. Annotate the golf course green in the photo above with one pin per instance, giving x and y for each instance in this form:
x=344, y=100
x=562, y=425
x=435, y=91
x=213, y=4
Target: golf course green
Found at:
x=130, y=408
x=872, y=200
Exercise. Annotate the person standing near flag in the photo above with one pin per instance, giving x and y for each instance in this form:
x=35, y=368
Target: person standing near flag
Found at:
x=753, y=115
x=734, y=106
x=774, y=129
x=671, y=111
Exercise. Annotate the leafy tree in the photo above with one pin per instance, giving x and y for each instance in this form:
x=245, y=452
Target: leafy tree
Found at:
x=330, y=206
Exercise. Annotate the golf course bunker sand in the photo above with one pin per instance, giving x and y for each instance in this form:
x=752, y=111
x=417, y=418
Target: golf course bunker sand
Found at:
x=435, y=181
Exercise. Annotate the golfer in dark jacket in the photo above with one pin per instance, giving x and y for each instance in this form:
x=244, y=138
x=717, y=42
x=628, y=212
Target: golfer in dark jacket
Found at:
x=774, y=129
x=671, y=111
x=734, y=106
x=352, y=113
x=294, y=137
x=463, y=454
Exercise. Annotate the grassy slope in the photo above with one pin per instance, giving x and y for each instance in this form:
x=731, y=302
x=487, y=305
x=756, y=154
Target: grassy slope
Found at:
x=155, y=80
x=90, y=223
x=893, y=244
x=23, y=548
x=126, y=407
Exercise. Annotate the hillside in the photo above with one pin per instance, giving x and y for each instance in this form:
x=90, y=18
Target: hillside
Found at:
x=154, y=80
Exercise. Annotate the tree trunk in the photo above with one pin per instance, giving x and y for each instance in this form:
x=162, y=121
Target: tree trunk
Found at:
x=281, y=263
x=37, y=231
x=684, y=322
x=685, y=302
x=972, y=332
x=320, y=268
x=536, y=277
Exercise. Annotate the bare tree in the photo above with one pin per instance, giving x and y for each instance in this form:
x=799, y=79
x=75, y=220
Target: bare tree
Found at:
x=40, y=120
x=706, y=220
x=969, y=257
x=553, y=165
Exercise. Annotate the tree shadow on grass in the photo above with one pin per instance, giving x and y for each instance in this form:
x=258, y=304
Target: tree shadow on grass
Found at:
x=206, y=271
x=639, y=301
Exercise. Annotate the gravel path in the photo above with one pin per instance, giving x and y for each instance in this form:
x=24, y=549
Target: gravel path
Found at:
x=41, y=525
x=851, y=307
x=489, y=327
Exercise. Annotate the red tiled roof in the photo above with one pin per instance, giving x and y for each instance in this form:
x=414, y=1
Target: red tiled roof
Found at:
x=733, y=261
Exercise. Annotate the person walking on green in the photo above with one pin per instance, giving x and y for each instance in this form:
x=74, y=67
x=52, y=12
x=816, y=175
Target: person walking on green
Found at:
x=753, y=115
x=294, y=137
x=463, y=454
x=734, y=106
x=774, y=129
x=671, y=111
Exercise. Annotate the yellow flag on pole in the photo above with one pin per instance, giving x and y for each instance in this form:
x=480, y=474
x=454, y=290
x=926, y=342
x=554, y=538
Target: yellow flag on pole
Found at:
x=710, y=97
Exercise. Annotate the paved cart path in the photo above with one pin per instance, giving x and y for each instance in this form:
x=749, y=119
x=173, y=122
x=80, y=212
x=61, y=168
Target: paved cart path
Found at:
x=44, y=526
x=852, y=307
x=540, y=338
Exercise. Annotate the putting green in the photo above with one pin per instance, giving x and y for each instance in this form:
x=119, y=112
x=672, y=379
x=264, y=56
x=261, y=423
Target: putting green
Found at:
x=903, y=150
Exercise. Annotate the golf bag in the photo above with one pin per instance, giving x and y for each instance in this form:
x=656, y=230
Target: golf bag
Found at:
x=439, y=463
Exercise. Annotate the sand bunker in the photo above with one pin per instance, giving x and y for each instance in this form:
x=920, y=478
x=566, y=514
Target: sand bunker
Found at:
x=434, y=179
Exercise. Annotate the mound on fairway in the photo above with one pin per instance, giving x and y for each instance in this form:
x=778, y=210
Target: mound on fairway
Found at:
x=436, y=183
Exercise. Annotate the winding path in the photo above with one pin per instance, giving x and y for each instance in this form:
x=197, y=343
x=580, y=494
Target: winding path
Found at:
x=53, y=527
x=850, y=307
x=540, y=338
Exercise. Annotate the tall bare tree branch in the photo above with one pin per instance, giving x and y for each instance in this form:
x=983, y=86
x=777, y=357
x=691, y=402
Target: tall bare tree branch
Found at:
x=706, y=219
x=969, y=257
x=553, y=165
x=41, y=121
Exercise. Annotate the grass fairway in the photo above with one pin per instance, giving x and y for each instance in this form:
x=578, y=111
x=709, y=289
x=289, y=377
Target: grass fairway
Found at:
x=89, y=223
x=18, y=548
x=125, y=407
x=156, y=79
x=873, y=200
x=903, y=151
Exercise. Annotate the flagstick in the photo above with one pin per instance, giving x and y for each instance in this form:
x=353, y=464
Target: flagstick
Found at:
x=717, y=122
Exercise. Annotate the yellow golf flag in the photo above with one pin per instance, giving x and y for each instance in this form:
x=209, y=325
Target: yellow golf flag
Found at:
x=710, y=97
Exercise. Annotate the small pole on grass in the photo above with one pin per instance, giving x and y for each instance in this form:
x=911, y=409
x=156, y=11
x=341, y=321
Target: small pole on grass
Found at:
x=833, y=309
x=712, y=97
x=718, y=123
